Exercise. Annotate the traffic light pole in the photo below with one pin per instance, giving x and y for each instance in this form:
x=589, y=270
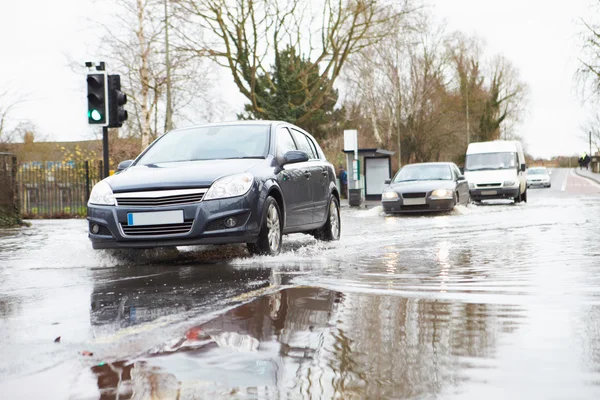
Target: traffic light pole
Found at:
x=105, y=150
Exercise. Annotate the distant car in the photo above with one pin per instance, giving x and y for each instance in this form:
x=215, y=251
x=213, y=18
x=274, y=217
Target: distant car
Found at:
x=425, y=187
x=243, y=182
x=539, y=177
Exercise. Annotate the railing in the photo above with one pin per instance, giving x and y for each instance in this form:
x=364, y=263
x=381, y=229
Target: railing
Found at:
x=9, y=201
x=56, y=189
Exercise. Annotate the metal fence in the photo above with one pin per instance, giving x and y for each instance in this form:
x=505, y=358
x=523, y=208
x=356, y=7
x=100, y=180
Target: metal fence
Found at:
x=9, y=200
x=56, y=189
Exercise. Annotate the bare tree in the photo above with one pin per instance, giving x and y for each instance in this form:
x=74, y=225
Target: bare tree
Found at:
x=8, y=102
x=590, y=130
x=159, y=95
x=244, y=36
x=588, y=73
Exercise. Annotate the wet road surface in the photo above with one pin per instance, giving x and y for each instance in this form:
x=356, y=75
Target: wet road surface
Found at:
x=493, y=301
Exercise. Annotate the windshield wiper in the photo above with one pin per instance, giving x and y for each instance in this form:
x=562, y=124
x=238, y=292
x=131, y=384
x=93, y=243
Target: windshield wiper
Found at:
x=242, y=158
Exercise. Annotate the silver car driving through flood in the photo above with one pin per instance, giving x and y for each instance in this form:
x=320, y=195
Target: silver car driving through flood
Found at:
x=425, y=187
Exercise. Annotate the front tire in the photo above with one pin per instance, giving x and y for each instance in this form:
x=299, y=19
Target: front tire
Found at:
x=332, y=229
x=269, y=238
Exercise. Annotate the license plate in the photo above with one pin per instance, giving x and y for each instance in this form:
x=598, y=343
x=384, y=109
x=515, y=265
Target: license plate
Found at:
x=155, y=218
x=414, y=202
x=489, y=193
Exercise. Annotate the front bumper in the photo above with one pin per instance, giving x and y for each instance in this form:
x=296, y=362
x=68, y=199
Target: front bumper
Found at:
x=431, y=205
x=206, y=219
x=494, y=193
x=538, y=184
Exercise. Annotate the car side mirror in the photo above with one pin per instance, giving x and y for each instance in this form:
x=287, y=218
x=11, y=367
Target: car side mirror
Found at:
x=124, y=165
x=388, y=181
x=523, y=167
x=294, y=156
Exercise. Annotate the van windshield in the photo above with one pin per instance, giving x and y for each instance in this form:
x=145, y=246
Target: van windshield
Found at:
x=490, y=161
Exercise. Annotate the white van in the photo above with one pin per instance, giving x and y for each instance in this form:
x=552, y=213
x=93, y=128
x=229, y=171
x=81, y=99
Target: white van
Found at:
x=496, y=170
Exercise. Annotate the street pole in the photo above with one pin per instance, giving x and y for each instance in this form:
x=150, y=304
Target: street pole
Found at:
x=468, y=127
x=105, y=150
x=169, y=116
x=590, y=153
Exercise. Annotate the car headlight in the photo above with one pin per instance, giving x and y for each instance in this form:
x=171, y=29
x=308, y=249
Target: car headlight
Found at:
x=230, y=186
x=390, y=195
x=509, y=183
x=102, y=194
x=441, y=193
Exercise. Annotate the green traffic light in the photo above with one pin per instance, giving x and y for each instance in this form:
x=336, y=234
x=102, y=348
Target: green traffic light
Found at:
x=95, y=115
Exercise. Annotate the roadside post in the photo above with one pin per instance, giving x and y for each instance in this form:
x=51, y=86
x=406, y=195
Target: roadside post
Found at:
x=355, y=192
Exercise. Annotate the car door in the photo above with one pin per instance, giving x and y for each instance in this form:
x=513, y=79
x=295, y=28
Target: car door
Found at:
x=321, y=191
x=294, y=183
x=314, y=172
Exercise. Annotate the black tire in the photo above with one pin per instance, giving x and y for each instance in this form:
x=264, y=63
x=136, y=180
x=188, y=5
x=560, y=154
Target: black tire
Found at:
x=271, y=230
x=524, y=196
x=332, y=229
x=518, y=198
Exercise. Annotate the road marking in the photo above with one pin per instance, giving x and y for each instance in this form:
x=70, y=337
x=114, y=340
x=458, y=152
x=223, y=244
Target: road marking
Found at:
x=564, y=185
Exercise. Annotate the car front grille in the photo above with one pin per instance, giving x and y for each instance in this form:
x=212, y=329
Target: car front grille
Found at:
x=419, y=207
x=160, y=198
x=158, y=230
x=417, y=195
x=487, y=185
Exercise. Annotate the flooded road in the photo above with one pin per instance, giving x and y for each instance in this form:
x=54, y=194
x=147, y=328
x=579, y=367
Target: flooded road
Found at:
x=492, y=301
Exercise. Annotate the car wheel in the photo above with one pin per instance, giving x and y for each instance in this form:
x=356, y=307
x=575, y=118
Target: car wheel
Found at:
x=518, y=198
x=524, y=196
x=269, y=238
x=332, y=229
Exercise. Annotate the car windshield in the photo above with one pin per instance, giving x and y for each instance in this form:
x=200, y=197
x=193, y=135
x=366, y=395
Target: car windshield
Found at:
x=209, y=143
x=424, y=173
x=490, y=161
x=537, y=171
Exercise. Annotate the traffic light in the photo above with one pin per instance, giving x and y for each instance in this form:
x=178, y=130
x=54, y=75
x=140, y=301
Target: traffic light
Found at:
x=97, y=98
x=116, y=101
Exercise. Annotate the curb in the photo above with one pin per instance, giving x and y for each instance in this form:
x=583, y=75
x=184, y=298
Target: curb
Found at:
x=592, y=177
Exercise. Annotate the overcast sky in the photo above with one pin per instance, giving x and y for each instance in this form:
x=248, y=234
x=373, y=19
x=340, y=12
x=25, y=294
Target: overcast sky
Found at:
x=39, y=38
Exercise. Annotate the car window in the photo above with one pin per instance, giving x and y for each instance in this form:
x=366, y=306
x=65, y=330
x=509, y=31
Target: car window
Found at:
x=209, y=143
x=304, y=144
x=285, y=142
x=424, y=172
x=456, y=171
x=314, y=147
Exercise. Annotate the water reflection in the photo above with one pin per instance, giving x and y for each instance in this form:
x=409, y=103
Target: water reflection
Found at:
x=317, y=343
x=132, y=295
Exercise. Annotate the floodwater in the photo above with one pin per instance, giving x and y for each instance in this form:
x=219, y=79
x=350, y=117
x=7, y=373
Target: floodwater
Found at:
x=492, y=301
